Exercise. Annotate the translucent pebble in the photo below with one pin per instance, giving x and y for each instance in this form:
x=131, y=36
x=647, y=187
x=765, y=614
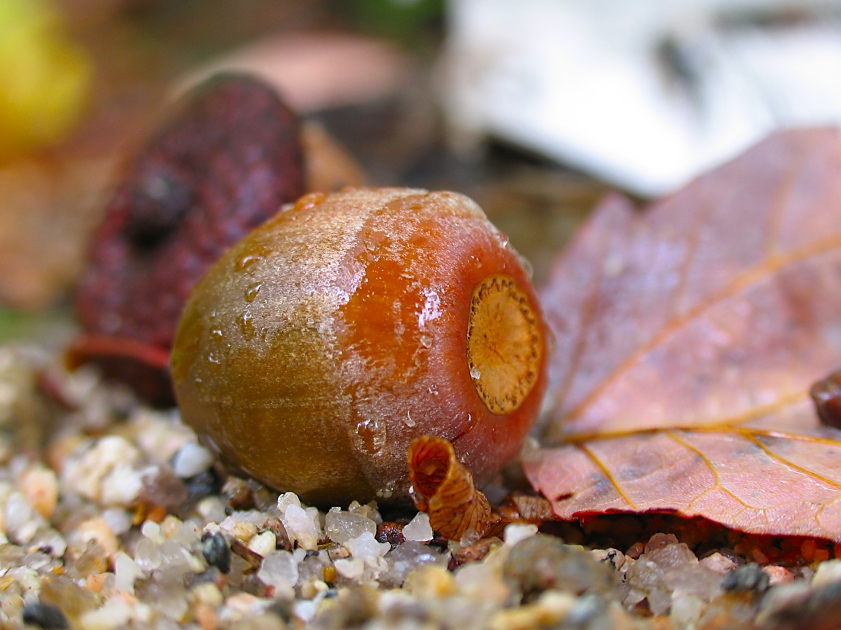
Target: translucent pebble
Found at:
x=191, y=460
x=718, y=563
x=118, y=519
x=660, y=540
x=114, y=614
x=188, y=534
x=285, y=500
x=694, y=580
x=167, y=595
x=21, y=520
x=302, y=526
x=211, y=509
x=351, y=568
x=644, y=575
x=368, y=510
x=175, y=561
x=686, y=611
x=280, y=570
x=672, y=556
x=312, y=567
x=343, y=526
x=49, y=540
x=307, y=610
x=405, y=558
x=366, y=546
x=829, y=571
x=263, y=544
x=659, y=601
x=39, y=561
x=515, y=532
x=151, y=530
x=125, y=573
x=169, y=526
x=481, y=582
x=121, y=486
x=419, y=528
x=147, y=555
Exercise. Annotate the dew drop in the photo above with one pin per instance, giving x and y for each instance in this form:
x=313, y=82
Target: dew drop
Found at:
x=252, y=291
x=217, y=332
x=426, y=341
x=372, y=435
x=246, y=261
x=212, y=359
x=307, y=202
x=475, y=373
x=410, y=422
x=246, y=326
x=386, y=492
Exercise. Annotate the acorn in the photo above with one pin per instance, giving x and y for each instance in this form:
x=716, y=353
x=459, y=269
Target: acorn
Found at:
x=315, y=350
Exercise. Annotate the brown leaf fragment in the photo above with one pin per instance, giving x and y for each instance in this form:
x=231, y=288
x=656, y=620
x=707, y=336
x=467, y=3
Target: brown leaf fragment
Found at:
x=444, y=488
x=527, y=508
x=755, y=481
x=687, y=336
x=473, y=553
x=716, y=306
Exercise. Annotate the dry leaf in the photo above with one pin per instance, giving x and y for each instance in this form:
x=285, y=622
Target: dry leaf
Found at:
x=687, y=337
x=444, y=488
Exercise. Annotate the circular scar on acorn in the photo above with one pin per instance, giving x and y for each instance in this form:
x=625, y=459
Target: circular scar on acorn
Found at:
x=323, y=343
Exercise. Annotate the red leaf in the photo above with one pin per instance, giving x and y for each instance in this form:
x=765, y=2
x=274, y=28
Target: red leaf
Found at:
x=687, y=332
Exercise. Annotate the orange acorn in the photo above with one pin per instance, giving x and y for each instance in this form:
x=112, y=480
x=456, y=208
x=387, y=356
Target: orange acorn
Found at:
x=322, y=344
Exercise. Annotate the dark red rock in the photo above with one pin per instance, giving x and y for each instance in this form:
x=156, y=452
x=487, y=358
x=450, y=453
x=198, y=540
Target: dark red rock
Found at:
x=223, y=163
x=826, y=394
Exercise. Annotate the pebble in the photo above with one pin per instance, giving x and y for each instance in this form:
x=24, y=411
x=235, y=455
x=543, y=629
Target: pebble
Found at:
x=778, y=575
x=216, y=551
x=718, y=563
x=542, y=562
x=192, y=460
x=341, y=526
x=747, y=579
x=419, y=529
x=516, y=532
x=244, y=530
x=40, y=487
x=280, y=570
x=45, y=616
x=97, y=529
x=829, y=571
x=263, y=544
x=75, y=541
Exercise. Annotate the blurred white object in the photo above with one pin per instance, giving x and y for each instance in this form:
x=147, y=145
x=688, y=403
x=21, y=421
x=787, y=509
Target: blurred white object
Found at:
x=643, y=93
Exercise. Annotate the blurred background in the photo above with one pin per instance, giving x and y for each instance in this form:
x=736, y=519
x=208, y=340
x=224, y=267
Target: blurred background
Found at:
x=535, y=108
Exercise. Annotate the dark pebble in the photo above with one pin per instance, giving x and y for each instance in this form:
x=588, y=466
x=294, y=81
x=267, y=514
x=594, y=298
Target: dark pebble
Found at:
x=237, y=494
x=817, y=609
x=390, y=532
x=215, y=549
x=44, y=616
x=202, y=485
x=747, y=579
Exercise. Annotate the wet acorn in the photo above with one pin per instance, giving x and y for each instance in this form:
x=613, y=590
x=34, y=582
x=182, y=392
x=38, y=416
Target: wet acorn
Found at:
x=319, y=346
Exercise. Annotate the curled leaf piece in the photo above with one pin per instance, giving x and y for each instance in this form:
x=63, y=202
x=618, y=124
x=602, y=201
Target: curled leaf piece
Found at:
x=444, y=488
